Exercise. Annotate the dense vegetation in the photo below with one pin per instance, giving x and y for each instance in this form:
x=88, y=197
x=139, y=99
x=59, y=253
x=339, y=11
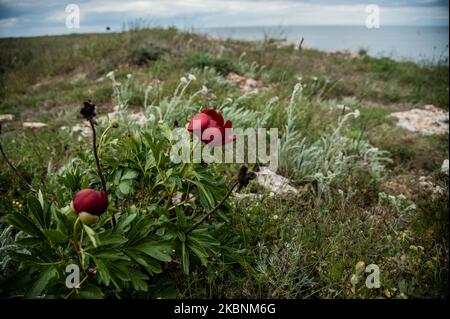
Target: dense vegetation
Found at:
x=356, y=172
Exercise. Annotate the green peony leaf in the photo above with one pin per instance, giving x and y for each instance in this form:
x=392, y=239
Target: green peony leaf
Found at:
x=158, y=250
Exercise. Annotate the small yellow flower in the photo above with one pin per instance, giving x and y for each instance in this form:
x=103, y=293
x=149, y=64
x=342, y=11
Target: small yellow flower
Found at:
x=16, y=203
x=360, y=266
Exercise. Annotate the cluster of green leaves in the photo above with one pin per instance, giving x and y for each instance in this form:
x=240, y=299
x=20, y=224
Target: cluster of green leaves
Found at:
x=147, y=53
x=143, y=236
x=220, y=64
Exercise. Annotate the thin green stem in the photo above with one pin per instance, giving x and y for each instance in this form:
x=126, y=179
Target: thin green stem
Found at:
x=97, y=161
x=102, y=138
x=74, y=234
x=52, y=263
x=13, y=168
x=172, y=190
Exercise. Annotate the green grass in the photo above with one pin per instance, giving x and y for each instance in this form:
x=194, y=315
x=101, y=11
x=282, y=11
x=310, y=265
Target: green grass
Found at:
x=298, y=247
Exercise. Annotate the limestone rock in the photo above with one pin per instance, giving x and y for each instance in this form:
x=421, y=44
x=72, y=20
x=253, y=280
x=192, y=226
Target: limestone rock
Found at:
x=6, y=118
x=426, y=185
x=83, y=128
x=444, y=167
x=246, y=84
x=251, y=196
x=274, y=182
x=429, y=121
x=34, y=125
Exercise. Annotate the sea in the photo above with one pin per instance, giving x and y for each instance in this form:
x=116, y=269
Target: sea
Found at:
x=420, y=44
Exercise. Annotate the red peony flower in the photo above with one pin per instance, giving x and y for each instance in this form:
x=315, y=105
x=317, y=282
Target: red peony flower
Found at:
x=210, y=128
x=90, y=201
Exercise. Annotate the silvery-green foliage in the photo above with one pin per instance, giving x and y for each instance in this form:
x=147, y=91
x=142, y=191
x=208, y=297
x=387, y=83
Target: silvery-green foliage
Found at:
x=250, y=69
x=243, y=117
x=6, y=242
x=328, y=159
x=398, y=202
x=121, y=91
x=281, y=268
x=178, y=106
x=211, y=76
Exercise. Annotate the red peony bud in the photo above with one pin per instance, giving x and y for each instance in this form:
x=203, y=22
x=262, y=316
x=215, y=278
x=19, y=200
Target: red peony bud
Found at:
x=90, y=201
x=213, y=122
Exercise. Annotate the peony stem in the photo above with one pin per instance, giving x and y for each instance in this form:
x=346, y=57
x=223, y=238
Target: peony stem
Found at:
x=75, y=240
x=198, y=223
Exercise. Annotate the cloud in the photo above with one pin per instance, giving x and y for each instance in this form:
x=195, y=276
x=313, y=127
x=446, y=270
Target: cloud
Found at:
x=8, y=22
x=31, y=15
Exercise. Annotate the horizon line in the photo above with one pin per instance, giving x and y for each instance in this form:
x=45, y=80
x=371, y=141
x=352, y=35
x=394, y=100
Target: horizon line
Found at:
x=187, y=29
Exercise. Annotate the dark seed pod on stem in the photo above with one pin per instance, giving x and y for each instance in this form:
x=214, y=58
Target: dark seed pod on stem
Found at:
x=244, y=177
x=88, y=203
x=88, y=112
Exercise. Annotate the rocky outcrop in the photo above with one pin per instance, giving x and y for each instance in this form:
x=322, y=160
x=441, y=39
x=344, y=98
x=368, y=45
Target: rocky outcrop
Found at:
x=429, y=121
x=246, y=84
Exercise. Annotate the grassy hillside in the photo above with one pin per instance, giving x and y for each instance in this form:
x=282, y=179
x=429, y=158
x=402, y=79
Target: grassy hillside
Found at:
x=359, y=200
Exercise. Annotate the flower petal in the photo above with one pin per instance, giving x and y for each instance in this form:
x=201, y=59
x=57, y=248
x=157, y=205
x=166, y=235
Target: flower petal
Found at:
x=200, y=119
x=228, y=124
x=90, y=201
x=214, y=115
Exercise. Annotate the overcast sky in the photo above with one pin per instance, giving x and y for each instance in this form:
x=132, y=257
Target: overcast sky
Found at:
x=28, y=17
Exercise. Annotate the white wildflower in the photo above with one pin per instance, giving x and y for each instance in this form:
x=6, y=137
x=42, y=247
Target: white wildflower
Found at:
x=183, y=80
x=110, y=74
x=129, y=75
x=191, y=77
x=357, y=114
x=204, y=90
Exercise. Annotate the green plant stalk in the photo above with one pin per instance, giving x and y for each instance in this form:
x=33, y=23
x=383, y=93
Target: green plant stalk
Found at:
x=182, y=169
x=172, y=190
x=97, y=161
x=74, y=234
x=205, y=217
x=102, y=138
x=76, y=243
x=13, y=168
